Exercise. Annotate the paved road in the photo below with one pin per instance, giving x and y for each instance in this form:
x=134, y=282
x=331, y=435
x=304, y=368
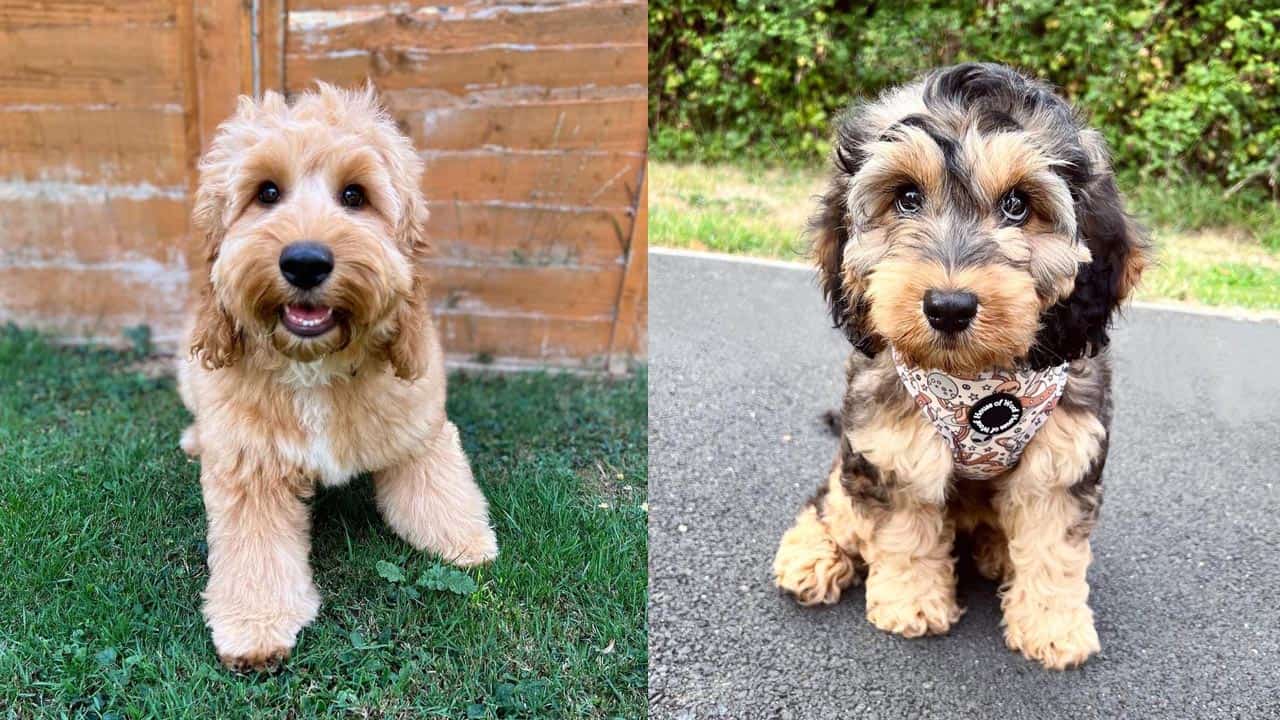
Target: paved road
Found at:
x=1186, y=576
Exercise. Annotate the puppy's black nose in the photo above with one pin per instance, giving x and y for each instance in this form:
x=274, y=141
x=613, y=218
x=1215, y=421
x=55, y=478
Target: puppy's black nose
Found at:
x=950, y=311
x=306, y=264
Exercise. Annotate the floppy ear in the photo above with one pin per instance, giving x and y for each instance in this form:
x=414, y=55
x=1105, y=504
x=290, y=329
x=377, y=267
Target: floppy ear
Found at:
x=215, y=338
x=1079, y=325
x=829, y=229
x=409, y=346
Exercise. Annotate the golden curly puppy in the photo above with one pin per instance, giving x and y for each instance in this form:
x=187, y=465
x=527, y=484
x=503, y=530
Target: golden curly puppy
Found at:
x=314, y=358
x=973, y=246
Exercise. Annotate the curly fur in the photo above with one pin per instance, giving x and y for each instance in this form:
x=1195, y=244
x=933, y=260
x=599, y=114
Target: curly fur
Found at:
x=1047, y=290
x=275, y=412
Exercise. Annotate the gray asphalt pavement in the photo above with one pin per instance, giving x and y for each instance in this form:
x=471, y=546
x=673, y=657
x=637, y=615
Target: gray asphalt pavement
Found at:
x=1186, y=573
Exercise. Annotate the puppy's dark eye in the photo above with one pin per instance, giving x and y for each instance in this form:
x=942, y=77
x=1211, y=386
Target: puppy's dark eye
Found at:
x=268, y=193
x=352, y=196
x=909, y=200
x=1014, y=208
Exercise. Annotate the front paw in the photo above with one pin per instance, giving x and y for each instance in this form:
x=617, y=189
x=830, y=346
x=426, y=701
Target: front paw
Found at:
x=913, y=617
x=257, y=638
x=1056, y=638
x=476, y=548
x=253, y=647
x=268, y=660
x=912, y=601
x=811, y=568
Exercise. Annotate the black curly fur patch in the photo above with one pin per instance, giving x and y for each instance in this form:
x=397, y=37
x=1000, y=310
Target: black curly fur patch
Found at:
x=1079, y=326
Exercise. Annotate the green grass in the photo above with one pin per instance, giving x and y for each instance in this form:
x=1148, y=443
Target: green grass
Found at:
x=739, y=210
x=102, y=546
x=1212, y=269
x=1210, y=250
x=1190, y=207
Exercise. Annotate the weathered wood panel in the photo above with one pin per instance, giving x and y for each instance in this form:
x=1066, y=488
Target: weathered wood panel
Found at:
x=406, y=5
x=569, y=293
x=94, y=145
x=224, y=65
x=631, y=321
x=616, y=125
x=434, y=28
x=19, y=14
x=62, y=66
x=273, y=26
x=94, y=166
x=529, y=235
x=552, y=340
x=580, y=179
x=84, y=224
x=96, y=302
x=465, y=71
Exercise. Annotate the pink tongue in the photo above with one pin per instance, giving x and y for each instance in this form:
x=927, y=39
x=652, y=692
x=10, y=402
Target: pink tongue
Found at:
x=303, y=313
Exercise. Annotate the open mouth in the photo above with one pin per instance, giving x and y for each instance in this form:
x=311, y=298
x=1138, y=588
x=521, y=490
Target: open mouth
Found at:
x=308, y=320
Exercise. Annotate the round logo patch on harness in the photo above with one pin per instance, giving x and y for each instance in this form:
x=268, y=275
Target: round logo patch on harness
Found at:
x=994, y=414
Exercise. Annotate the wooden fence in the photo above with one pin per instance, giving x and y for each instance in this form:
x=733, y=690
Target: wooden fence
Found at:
x=530, y=115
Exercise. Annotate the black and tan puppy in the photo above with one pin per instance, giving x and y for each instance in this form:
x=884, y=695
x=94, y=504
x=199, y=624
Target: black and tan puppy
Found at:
x=973, y=247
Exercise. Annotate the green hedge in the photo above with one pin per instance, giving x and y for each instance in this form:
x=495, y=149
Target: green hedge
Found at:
x=1178, y=88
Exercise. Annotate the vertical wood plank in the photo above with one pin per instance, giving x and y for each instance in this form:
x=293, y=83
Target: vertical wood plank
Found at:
x=190, y=92
x=634, y=292
x=245, y=22
x=192, y=245
x=272, y=26
x=224, y=61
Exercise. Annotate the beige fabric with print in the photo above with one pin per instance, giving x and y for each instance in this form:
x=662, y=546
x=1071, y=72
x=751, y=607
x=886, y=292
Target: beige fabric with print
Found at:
x=986, y=419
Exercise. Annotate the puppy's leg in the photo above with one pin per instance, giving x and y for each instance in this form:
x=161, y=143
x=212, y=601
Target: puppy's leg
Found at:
x=970, y=506
x=433, y=502
x=911, y=583
x=905, y=543
x=810, y=564
x=1047, y=514
x=1046, y=611
x=990, y=552
x=260, y=592
x=190, y=441
x=904, y=533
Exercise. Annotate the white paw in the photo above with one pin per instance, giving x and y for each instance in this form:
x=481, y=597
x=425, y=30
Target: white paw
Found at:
x=477, y=549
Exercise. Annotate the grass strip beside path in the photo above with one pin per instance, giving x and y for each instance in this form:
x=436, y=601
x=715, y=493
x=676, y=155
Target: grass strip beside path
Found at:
x=762, y=212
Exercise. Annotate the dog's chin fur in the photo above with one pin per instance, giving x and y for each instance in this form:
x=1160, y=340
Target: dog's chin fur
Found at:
x=1047, y=286
x=275, y=413
x=310, y=349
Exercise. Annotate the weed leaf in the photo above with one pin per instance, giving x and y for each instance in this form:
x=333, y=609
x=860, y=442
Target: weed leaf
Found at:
x=390, y=571
x=447, y=579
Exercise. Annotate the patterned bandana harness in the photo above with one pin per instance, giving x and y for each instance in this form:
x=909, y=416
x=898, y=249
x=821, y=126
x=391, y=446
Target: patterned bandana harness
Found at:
x=987, y=419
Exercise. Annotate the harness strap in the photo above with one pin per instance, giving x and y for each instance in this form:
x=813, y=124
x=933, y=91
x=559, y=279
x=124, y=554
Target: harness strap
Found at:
x=989, y=418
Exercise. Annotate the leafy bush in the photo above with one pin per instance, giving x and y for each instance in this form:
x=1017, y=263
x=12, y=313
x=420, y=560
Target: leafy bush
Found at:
x=1179, y=89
